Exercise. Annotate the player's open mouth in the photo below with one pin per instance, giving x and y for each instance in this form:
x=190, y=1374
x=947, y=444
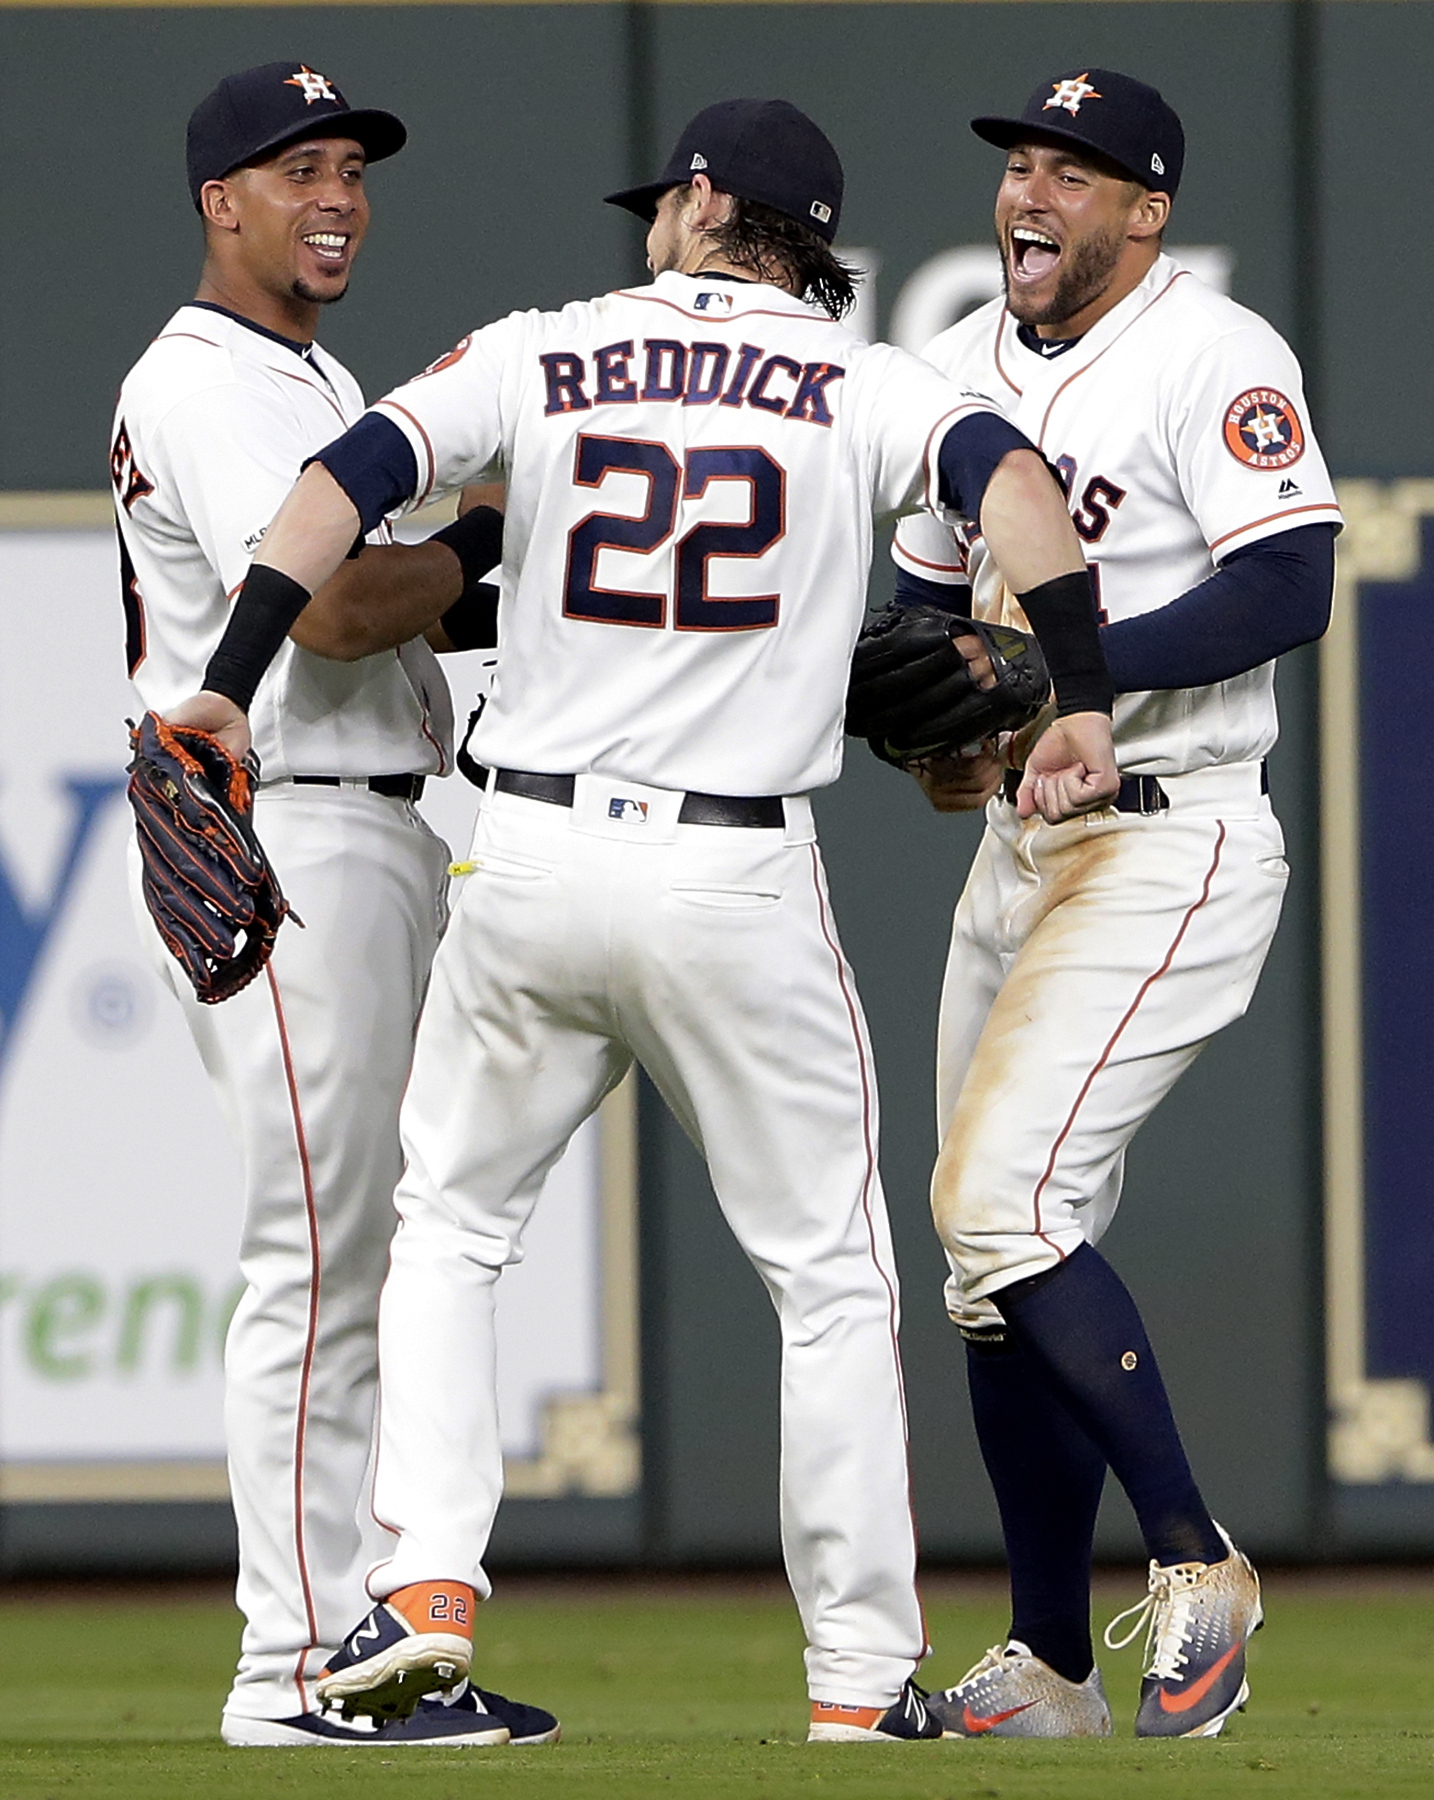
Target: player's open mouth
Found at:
x=331, y=246
x=1033, y=254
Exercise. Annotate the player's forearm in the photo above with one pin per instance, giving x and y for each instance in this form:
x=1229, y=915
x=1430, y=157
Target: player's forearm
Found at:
x=312, y=531
x=1029, y=533
x=1260, y=602
x=383, y=598
x=309, y=538
x=1025, y=523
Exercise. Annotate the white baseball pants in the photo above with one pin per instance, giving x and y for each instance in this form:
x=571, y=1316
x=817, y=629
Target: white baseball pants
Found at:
x=708, y=953
x=1089, y=964
x=309, y=1063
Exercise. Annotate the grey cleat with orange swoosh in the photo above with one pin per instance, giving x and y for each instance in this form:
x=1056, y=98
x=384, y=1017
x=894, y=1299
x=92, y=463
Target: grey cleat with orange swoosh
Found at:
x=1198, y=1618
x=1011, y=1693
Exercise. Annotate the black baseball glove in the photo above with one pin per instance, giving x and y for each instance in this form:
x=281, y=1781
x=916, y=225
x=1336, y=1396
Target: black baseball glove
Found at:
x=207, y=882
x=912, y=694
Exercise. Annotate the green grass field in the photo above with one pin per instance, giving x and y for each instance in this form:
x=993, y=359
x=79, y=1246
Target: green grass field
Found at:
x=695, y=1688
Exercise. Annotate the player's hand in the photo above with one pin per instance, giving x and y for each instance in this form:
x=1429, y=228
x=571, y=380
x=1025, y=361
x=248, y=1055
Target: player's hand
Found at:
x=216, y=714
x=977, y=661
x=960, y=783
x=1070, y=770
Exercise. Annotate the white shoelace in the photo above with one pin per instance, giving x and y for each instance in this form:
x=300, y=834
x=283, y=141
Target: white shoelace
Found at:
x=990, y=1662
x=1167, y=1613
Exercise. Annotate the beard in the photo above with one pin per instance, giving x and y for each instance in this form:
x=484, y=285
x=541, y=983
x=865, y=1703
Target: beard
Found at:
x=1085, y=278
x=302, y=291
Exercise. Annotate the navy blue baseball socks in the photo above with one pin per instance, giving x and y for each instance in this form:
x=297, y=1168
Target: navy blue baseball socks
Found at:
x=258, y=111
x=1119, y=118
x=762, y=150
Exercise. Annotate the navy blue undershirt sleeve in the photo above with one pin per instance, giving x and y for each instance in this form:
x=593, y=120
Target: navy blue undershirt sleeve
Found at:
x=1262, y=600
x=916, y=590
x=373, y=462
x=968, y=457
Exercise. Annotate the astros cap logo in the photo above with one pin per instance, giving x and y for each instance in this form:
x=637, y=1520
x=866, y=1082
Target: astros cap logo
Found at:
x=1263, y=430
x=315, y=87
x=1070, y=93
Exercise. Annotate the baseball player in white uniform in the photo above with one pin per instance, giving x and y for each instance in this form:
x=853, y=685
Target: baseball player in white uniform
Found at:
x=309, y=1062
x=692, y=470
x=1090, y=961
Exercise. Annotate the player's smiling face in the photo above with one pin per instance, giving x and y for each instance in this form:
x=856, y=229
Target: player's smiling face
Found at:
x=303, y=215
x=1075, y=238
x=282, y=234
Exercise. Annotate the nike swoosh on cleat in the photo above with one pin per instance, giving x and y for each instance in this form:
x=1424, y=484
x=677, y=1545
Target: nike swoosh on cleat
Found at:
x=1179, y=1703
x=975, y=1724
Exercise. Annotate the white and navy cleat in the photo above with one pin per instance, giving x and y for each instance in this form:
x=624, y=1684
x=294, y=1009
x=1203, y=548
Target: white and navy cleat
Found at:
x=1198, y=1619
x=904, y=1721
x=416, y=1641
x=1011, y=1693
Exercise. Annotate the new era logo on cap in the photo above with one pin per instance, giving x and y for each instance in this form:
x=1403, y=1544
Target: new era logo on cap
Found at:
x=699, y=161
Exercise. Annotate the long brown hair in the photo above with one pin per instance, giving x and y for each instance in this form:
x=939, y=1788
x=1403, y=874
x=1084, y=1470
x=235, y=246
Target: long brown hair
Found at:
x=780, y=249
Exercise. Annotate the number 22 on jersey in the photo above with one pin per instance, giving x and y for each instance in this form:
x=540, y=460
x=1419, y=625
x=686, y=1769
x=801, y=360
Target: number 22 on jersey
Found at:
x=669, y=482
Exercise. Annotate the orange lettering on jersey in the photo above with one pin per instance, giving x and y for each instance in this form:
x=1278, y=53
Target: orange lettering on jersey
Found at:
x=1263, y=430
x=130, y=483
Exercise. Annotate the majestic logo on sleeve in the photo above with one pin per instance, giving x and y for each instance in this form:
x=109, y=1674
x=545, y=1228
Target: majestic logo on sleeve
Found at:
x=1263, y=430
x=1069, y=94
x=315, y=87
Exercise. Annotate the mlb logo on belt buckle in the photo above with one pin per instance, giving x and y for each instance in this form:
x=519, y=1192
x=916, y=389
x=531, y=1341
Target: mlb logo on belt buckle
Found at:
x=636, y=810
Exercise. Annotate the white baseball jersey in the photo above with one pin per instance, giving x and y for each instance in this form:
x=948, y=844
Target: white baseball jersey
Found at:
x=213, y=387
x=309, y=1062
x=692, y=471
x=1179, y=427
x=668, y=607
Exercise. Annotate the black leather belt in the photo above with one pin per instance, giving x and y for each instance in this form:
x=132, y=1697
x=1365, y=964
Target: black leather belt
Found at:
x=1138, y=793
x=763, y=812
x=396, y=787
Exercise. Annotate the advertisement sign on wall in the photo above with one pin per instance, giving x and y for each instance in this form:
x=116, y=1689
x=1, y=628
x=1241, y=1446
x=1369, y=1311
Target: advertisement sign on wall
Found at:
x=119, y=1188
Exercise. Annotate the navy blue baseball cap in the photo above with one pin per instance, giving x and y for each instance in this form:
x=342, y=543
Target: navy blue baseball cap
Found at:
x=763, y=150
x=260, y=110
x=1122, y=119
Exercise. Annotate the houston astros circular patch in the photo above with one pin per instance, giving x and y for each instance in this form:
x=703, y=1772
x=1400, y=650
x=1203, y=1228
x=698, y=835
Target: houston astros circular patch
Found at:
x=1263, y=430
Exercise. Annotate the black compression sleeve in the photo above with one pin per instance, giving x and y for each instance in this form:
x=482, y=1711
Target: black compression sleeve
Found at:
x=373, y=462
x=476, y=539
x=968, y=456
x=1062, y=615
x=471, y=623
x=265, y=610
x=1261, y=601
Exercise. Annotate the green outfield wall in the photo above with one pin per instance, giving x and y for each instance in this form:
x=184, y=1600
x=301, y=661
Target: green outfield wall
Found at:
x=1302, y=122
